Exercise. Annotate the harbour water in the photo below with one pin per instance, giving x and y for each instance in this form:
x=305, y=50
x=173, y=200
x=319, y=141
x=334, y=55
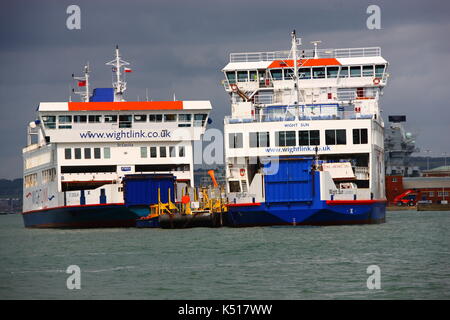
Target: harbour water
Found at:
x=412, y=250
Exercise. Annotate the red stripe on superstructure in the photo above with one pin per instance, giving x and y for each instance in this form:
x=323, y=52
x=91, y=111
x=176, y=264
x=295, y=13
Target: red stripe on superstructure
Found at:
x=243, y=204
x=125, y=105
x=354, y=202
x=304, y=63
x=75, y=206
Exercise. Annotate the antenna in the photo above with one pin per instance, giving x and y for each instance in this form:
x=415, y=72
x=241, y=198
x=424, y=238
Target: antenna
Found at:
x=315, y=43
x=295, y=41
x=119, y=85
x=83, y=82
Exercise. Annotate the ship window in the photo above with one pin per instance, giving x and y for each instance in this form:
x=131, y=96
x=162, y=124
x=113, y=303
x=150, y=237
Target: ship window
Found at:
x=253, y=76
x=172, y=152
x=155, y=118
x=181, y=151
x=77, y=153
x=65, y=122
x=97, y=154
x=333, y=137
x=308, y=138
x=360, y=136
x=153, y=152
x=87, y=153
x=110, y=118
x=259, y=139
x=304, y=73
x=231, y=76
x=355, y=71
x=80, y=119
x=49, y=122
x=170, y=117
x=94, y=118
x=140, y=118
x=184, y=117
x=332, y=72
x=143, y=152
x=107, y=152
x=379, y=70
x=288, y=74
x=67, y=153
x=162, y=152
x=285, y=138
x=242, y=76
x=319, y=73
x=125, y=121
x=367, y=71
x=276, y=74
x=199, y=119
x=234, y=186
x=344, y=72
x=235, y=140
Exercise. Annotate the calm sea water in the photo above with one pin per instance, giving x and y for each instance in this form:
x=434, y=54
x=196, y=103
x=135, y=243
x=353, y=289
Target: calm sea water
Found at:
x=412, y=250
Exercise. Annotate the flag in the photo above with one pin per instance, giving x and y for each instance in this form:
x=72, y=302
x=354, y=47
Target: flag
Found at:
x=82, y=83
x=127, y=70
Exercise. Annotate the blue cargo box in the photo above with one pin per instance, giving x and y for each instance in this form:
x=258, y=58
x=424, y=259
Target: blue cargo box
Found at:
x=102, y=95
x=142, y=189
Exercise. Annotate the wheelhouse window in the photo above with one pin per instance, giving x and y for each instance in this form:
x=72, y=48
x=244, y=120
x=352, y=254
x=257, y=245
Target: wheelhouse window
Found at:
x=355, y=72
x=259, y=139
x=80, y=119
x=65, y=122
x=125, y=121
x=242, y=76
x=140, y=118
x=379, y=70
x=288, y=74
x=367, y=71
x=111, y=118
x=49, y=122
x=332, y=72
x=276, y=74
x=199, y=119
x=309, y=138
x=285, y=138
x=344, y=72
x=333, y=137
x=231, y=76
x=318, y=73
x=253, y=76
x=94, y=118
x=235, y=140
x=155, y=117
x=184, y=120
x=304, y=73
x=170, y=117
x=360, y=136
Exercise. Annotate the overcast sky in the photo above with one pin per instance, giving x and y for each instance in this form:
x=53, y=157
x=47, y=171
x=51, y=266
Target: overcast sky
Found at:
x=180, y=47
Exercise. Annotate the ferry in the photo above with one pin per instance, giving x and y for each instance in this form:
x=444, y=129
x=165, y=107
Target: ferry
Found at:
x=304, y=142
x=78, y=153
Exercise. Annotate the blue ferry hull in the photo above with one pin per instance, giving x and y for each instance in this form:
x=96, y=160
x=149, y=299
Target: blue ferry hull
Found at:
x=88, y=216
x=345, y=213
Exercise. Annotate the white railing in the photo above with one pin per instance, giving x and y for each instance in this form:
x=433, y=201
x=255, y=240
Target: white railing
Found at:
x=321, y=53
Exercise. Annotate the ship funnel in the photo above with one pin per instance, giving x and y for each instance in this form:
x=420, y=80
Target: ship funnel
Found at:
x=211, y=174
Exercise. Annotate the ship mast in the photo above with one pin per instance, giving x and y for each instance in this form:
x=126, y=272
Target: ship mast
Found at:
x=294, y=56
x=119, y=85
x=83, y=82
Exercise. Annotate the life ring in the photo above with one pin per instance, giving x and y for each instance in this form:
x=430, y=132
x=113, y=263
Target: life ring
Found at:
x=376, y=81
x=242, y=172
